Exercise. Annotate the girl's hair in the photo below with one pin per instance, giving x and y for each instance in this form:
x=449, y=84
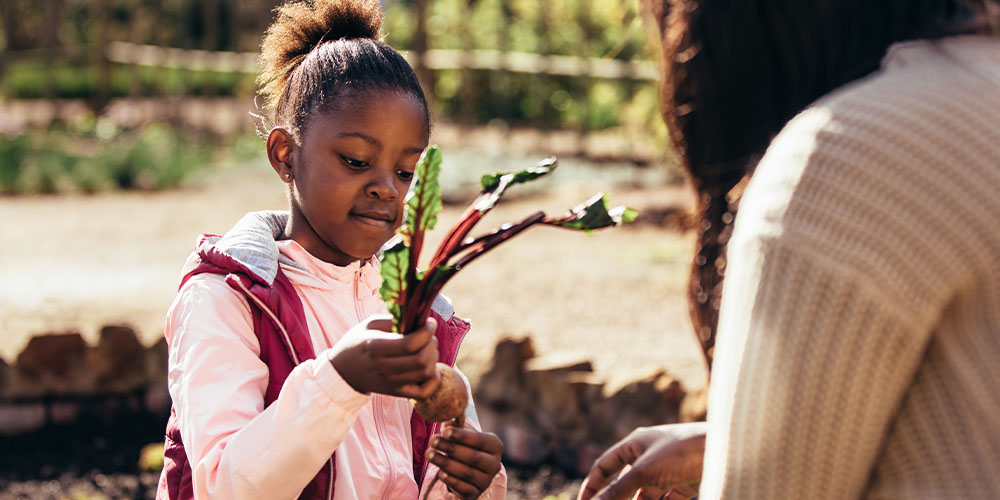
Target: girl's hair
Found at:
x=319, y=54
x=735, y=71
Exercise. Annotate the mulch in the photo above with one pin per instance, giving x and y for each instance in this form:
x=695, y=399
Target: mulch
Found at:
x=97, y=458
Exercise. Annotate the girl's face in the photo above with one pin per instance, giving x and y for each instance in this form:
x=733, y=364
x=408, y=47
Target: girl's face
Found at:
x=350, y=174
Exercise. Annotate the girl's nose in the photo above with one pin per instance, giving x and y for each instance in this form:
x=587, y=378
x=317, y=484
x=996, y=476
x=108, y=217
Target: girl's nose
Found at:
x=382, y=188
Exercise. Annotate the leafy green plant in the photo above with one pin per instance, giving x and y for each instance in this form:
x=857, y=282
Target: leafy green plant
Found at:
x=409, y=292
x=13, y=151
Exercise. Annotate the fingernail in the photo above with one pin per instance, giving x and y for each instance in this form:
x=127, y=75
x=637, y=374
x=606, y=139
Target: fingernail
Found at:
x=447, y=433
x=430, y=454
x=435, y=441
x=444, y=475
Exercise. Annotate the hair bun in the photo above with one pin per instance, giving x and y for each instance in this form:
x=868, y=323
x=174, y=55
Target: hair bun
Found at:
x=301, y=26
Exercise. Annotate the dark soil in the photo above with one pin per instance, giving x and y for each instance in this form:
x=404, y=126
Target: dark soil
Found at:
x=97, y=458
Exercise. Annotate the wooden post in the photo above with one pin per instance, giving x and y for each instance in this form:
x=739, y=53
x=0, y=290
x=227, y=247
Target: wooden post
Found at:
x=467, y=90
x=8, y=11
x=543, y=90
x=420, y=46
x=136, y=19
x=100, y=58
x=587, y=26
x=210, y=38
x=53, y=19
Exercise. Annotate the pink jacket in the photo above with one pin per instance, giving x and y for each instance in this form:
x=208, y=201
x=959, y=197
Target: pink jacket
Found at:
x=237, y=446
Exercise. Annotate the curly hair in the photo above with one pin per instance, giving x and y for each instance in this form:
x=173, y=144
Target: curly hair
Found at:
x=735, y=71
x=317, y=54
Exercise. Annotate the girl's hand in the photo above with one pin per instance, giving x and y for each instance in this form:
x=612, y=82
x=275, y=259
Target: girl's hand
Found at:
x=468, y=459
x=372, y=359
x=652, y=461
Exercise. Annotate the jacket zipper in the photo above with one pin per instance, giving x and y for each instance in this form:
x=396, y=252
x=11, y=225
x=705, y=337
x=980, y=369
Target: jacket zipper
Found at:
x=295, y=359
x=378, y=402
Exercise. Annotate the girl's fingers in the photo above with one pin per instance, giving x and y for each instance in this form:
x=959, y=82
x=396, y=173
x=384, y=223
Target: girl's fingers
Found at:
x=459, y=487
x=465, y=479
x=486, y=462
x=485, y=441
x=423, y=361
x=421, y=390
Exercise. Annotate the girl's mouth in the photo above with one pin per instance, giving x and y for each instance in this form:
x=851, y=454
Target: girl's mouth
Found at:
x=376, y=219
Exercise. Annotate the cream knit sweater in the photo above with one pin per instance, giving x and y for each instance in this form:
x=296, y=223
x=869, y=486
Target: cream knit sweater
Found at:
x=859, y=342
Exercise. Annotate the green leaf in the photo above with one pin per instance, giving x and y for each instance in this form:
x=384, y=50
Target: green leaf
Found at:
x=492, y=180
x=424, y=203
x=594, y=214
x=395, y=262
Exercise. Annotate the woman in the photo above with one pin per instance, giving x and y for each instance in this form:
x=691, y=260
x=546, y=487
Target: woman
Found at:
x=860, y=319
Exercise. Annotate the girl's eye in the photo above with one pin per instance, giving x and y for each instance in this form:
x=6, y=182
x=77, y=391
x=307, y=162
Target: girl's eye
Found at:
x=404, y=175
x=351, y=162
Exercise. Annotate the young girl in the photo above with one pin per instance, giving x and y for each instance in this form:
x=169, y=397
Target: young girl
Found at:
x=285, y=384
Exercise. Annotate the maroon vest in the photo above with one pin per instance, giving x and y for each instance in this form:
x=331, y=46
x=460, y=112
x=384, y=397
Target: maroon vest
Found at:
x=281, y=329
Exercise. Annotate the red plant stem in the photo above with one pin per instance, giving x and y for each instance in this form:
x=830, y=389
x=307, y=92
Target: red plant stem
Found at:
x=457, y=233
x=422, y=296
x=498, y=237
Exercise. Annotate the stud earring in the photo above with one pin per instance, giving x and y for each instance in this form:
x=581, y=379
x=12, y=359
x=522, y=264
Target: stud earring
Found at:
x=288, y=177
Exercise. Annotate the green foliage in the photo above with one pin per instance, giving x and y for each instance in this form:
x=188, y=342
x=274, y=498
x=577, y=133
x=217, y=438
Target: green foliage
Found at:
x=424, y=204
x=395, y=263
x=94, y=155
x=151, y=457
x=410, y=293
x=32, y=79
x=609, y=29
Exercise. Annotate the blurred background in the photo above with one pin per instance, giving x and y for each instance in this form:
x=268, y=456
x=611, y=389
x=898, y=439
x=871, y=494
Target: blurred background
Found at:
x=127, y=128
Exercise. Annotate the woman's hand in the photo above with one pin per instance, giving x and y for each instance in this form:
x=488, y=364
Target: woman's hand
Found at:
x=372, y=359
x=653, y=460
x=468, y=459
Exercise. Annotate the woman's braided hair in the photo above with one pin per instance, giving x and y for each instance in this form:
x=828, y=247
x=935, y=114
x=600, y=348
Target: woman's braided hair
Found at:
x=735, y=71
x=319, y=52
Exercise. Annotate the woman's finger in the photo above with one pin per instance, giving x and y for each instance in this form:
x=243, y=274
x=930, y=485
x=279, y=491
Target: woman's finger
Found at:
x=610, y=463
x=624, y=486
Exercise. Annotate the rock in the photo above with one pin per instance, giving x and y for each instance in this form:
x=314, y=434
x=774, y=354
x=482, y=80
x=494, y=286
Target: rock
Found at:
x=523, y=445
x=560, y=363
x=653, y=400
x=52, y=364
x=156, y=364
x=594, y=407
x=20, y=418
x=694, y=406
x=501, y=387
x=119, y=361
x=556, y=405
x=576, y=457
x=4, y=377
x=63, y=412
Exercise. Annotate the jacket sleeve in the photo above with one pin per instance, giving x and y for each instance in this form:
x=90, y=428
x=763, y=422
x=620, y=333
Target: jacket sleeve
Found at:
x=238, y=449
x=497, y=489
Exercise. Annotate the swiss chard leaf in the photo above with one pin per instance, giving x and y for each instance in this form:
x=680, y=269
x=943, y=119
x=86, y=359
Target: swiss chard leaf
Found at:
x=494, y=184
x=424, y=204
x=490, y=181
x=594, y=214
x=395, y=264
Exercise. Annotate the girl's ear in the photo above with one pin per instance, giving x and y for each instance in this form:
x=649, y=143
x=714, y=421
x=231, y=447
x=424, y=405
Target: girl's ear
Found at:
x=280, y=145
